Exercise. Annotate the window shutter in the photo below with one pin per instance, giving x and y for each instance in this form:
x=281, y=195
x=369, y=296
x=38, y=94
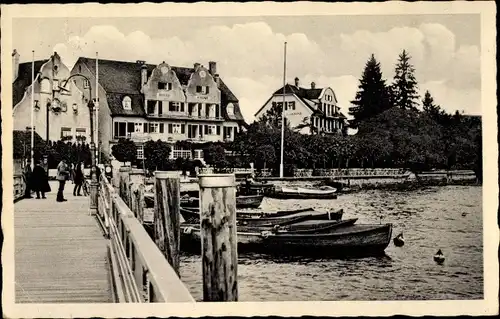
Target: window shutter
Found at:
x=170, y=130
x=218, y=130
x=145, y=127
x=208, y=89
x=183, y=129
x=115, y=133
x=161, y=127
x=160, y=107
x=182, y=107
x=206, y=129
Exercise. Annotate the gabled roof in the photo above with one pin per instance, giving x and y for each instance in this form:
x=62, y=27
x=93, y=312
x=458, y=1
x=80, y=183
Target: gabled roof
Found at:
x=120, y=78
x=23, y=80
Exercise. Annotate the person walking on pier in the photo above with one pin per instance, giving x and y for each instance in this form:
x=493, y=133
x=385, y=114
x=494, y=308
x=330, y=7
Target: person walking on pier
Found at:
x=62, y=177
x=78, y=179
x=40, y=181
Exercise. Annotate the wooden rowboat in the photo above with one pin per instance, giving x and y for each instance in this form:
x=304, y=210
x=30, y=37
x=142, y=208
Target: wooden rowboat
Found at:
x=193, y=216
x=302, y=193
x=353, y=240
x=252, y=201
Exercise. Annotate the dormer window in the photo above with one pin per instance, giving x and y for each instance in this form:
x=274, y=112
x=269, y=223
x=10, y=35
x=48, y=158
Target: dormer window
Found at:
x=164, y=86
x=230, y=109
x=127, y=103
x=86, y=84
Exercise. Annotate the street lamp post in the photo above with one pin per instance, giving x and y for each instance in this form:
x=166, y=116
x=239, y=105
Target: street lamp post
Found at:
x=93, y=171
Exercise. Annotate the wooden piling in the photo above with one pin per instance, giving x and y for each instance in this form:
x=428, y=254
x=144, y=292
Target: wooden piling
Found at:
x=167, y=216
x=125, y=184
x=137, y=176
x=218, y=237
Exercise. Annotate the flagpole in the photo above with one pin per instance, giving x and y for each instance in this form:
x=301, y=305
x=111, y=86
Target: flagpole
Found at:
x=283, y=114
x=32, y=110
x=97, y=105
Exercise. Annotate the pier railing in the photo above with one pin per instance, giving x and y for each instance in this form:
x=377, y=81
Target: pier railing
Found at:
x=140, y=272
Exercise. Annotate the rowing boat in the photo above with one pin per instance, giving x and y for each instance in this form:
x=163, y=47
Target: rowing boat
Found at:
x=302, y=193
x=350, y=240
x=243, y=219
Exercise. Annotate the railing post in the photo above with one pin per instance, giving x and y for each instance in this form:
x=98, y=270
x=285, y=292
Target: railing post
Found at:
x=218, y=237
x=167, y=216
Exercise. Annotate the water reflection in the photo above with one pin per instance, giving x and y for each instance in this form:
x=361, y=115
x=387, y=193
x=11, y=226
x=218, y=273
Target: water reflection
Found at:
x=430, y=219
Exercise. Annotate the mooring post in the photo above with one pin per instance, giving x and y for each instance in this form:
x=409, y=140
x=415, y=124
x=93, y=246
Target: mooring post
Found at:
x=167, y=216
x=137, y=176
x=140, y=203
x=124, y=183
x=218, y=237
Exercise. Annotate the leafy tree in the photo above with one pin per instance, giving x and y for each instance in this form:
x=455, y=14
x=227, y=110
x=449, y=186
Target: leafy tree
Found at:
x=125, y=150
x=405, y=87
x=373, y=96
x=156, y=154
x=264, y=155
x=215, y=155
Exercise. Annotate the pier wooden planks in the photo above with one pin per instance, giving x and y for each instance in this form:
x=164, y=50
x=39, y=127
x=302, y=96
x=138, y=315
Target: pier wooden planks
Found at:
x=60, y=252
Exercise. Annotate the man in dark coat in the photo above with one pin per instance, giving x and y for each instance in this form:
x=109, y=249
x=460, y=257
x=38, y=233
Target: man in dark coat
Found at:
x=40, y=181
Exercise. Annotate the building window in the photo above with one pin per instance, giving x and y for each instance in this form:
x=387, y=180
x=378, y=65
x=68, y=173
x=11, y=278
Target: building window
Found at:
x=181, y=152
x=140, y=152
x=127, y=103
x=150, y=108
x=80, y=132
x=228, y=132
x=176, y=107
x=160, y=107
x=202, y=89
x=211, y=129
x=230, y=109
x=291, y=105
x=120, y=130
x=86, y=83
x=138, y=127
x=176, y=128
x=154, y=128
x=164, y=86
x=66, y=132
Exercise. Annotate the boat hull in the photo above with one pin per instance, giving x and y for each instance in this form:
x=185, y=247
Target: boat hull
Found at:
x=193, y=216
x=252, y=201
x=355, y=240
x=284, y=194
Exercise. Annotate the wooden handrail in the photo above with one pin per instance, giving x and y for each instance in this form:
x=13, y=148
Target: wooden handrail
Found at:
x=138, y=256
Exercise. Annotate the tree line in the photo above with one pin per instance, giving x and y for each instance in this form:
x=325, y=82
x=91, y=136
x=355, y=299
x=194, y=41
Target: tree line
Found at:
x=55, y=151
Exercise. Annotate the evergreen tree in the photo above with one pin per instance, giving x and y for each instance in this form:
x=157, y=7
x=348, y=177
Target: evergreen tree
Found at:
x=405, y=87
x=430, y=108
x=373, y=96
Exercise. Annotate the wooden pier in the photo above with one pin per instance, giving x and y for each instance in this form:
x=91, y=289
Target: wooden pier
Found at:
x=61, y=255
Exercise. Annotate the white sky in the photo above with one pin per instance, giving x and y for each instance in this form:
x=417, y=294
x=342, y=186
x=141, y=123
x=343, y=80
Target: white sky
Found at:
x=329, y=50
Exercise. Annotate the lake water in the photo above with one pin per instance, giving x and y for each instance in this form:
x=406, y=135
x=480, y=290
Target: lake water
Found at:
x=431, y=219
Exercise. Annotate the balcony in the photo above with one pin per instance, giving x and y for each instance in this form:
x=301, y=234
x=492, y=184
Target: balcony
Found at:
x=182, y=116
